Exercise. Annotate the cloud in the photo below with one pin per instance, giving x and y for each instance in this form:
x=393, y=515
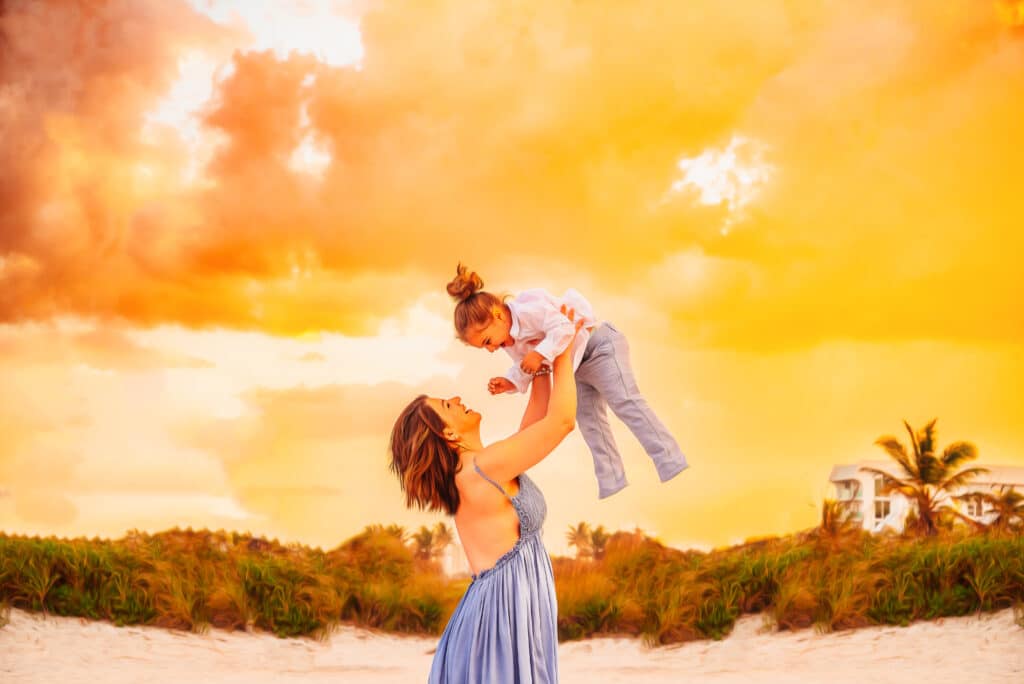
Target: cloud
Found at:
x=311, y=461
x=545, y=132
x=79, y=77
x=103, y=347
x=893, y=216
x=191, y=311
x=302, y=455
x=109, y=349
x=38, y=478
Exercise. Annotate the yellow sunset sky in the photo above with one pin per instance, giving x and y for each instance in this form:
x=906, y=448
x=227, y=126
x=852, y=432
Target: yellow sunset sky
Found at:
x=226, y=228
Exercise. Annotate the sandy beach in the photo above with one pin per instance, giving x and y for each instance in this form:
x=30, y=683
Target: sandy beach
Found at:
x=981, y=649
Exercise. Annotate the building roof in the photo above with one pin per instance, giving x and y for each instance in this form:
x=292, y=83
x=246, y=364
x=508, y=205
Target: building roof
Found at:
x=997, y=474
x=1001, y=474
x=852, y=471
x=843, y=472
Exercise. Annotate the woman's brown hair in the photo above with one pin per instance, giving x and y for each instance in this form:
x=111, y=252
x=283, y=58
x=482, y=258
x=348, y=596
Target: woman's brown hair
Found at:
x=476, y=307
x=424, y=461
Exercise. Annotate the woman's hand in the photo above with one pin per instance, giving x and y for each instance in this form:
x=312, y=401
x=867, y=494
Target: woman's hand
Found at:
x=570, y=313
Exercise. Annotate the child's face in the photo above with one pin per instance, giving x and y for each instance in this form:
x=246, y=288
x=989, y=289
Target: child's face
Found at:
x=493, y=335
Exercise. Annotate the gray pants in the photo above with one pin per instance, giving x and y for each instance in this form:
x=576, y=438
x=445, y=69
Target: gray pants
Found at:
x=605, y=378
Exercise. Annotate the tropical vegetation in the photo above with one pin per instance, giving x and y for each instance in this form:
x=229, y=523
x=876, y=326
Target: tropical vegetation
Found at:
x=928, y=480
x=834, y=576
x=831, y=577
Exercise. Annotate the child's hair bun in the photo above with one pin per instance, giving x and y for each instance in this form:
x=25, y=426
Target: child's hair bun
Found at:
x=464, y=285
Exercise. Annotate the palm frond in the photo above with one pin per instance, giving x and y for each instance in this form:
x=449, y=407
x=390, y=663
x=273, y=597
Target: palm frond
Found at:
x=889, y=483
x=930, y=469
x=913, y=441
x=983, y=497
x=909, y=490
x=974, y=524
x=443, y=537
x=898, y=453
x=598, y=541
x=959, y=452
x=579, y=537
x=926, y=438
x=1009, y=498
x=960, y=479
x=1008, y=490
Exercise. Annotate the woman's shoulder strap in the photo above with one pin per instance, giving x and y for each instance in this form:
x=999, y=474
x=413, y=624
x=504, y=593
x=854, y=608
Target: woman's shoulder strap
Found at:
x=486, y=477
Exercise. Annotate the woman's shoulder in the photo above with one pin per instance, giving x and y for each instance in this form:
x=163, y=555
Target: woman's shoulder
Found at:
x=475, y=485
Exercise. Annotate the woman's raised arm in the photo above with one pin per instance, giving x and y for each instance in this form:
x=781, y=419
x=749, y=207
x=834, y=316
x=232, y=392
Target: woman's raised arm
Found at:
x=540, y=386
x=505, y=460
x=537, y=408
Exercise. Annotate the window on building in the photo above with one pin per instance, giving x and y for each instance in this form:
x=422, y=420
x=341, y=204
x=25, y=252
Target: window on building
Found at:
x=880, y=486
x=882, y=508
x=975, y=507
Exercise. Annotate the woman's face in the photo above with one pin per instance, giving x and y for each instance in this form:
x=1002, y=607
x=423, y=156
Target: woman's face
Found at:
x=459, y=418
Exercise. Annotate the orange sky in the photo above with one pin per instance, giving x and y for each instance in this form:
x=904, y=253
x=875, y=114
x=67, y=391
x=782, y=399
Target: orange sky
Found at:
x=225, y=233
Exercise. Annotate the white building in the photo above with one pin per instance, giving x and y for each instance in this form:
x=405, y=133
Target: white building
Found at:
x=860, y=492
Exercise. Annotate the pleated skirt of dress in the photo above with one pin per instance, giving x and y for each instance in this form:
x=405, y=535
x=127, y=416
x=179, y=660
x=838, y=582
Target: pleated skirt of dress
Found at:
x=504, y=630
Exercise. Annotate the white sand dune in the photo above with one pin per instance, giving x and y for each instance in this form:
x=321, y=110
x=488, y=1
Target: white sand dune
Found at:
x=979, y=650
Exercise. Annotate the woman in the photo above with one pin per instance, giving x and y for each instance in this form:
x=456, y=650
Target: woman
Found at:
x=504, y=628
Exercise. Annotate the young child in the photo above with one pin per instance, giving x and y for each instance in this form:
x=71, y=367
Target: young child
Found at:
x=533, y=331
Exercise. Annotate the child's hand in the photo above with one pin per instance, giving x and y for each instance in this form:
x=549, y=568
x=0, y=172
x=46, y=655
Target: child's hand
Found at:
x=532, y=362
x=500, y=385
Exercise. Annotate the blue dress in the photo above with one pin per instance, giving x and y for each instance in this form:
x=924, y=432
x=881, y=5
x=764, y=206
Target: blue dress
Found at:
x=504, y=630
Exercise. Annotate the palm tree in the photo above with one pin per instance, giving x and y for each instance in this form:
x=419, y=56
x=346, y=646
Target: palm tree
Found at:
x=598, y=541
x=423, y=543
x=579, y=537
x=392, y=530
x=1008, y=507
x=396, y=531
x=836, y=518
x=442, y=538
x=430, y=542
x=928, y=480
x=838, y=525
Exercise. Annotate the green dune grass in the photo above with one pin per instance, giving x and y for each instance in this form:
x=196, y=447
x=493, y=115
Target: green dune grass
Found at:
x=194, y=580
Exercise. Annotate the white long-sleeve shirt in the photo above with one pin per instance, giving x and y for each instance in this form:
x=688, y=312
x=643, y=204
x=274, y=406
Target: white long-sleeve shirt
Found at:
x=539, y=325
